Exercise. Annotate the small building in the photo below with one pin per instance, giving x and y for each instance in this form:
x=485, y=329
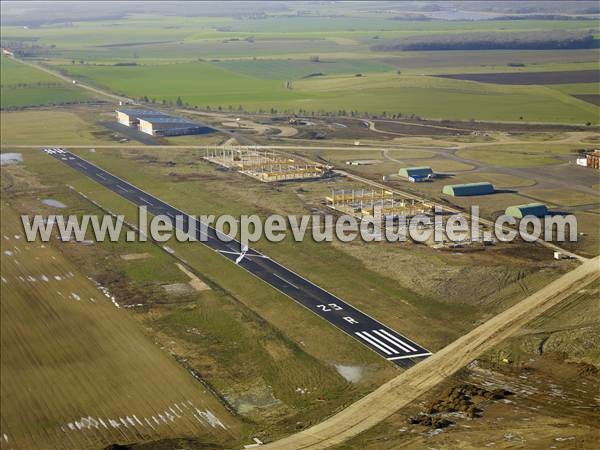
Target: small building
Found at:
x=416, y=174
x=529, y=209
x=419, y=179
x=581, y=161
x=593, y=159
x=460, y=190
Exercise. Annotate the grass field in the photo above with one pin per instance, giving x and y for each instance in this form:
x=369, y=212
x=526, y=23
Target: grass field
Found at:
x=82, y=373
x=203, y=84
x=562, y=197
x=198, y=84
x=499, y=180
x=25, y=86
x=214, y=36
x=224, y=61
x=282, y=69
x=54, y=127
x=512, y=155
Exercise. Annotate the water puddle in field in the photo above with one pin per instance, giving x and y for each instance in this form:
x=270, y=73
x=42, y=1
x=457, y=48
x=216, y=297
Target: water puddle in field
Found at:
x=53, y=203
x=6, y=159
x=256, y=397
x=352, y=374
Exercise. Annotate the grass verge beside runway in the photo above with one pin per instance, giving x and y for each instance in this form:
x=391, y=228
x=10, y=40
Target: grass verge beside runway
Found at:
x=271, y=374
x=55, y=127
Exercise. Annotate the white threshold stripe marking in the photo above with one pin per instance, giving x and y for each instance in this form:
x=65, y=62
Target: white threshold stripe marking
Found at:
x=99, y=175
x=145, y=201
x=122, y=188
x=398, y=340
x=408, y=356
x=383, y=336
x=373, y=343
x=288, y=282
x=383, y=344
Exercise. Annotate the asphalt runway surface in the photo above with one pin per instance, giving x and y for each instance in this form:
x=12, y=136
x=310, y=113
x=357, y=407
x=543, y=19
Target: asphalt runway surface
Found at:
x=384, y=341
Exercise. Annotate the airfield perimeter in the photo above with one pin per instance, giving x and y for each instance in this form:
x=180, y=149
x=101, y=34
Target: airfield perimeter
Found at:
x=401, y=390
x=379, y=338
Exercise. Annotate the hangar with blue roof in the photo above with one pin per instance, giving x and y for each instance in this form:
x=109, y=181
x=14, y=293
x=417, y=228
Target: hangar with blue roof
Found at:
x=528, y=209
x=157, y=123
x=460, y=190
x=416, y=174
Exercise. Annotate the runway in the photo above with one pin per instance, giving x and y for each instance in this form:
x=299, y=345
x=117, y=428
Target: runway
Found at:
x=381, y=339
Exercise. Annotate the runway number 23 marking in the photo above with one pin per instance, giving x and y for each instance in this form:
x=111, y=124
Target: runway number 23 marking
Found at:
x=329, y=307
x=335, y=307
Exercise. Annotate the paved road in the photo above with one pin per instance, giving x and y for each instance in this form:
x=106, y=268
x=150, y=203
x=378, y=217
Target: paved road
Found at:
x=411, y=384
x=384, y=341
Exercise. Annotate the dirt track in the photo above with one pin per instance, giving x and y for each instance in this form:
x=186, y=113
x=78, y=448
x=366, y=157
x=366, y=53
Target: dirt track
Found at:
x=70, y=81
x=397, y=393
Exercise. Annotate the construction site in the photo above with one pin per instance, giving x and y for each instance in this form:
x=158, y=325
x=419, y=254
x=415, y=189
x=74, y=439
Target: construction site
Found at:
x=388, y=205
x=362, y=203
x=265, y=166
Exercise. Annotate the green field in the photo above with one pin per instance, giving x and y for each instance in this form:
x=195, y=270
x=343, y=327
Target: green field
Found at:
x=517, y=155
x=52, y=128
x=25, y=86
x=282, y=69
x=203, y=84
x=174, y=37
x=231, y=61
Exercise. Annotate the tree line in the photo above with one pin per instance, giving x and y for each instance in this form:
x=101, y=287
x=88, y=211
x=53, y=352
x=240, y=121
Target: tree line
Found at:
x=534, y=40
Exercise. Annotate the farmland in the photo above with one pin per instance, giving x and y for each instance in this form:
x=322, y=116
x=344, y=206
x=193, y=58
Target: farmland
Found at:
x=24, y=86
x=374, y=93
x=55, y=127
x=310, y=64
x=581, y=76
x=85, y=384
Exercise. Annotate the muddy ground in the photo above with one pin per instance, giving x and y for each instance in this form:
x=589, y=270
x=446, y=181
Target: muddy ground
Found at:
x=545, y=404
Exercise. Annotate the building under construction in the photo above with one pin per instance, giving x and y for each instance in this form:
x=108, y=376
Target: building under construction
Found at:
x=370, y=202
x=264, y=165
